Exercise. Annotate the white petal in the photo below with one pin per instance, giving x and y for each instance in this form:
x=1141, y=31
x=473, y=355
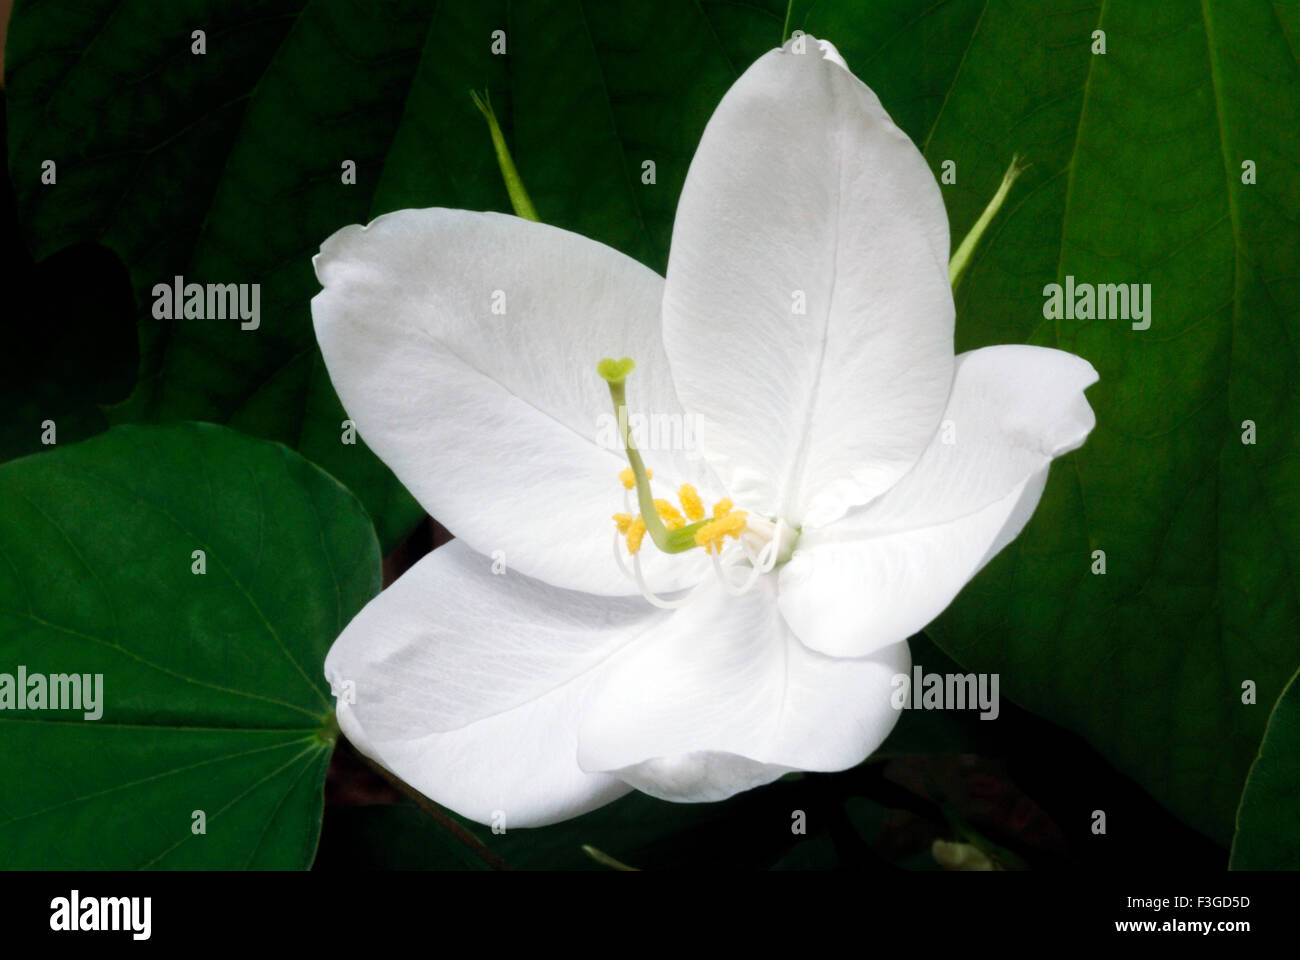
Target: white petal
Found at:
x=849, y=598
x=803, y=188
x=704, y=776
x=882, y=573
x=470, y=686
x=492, y=420
x=723, y=697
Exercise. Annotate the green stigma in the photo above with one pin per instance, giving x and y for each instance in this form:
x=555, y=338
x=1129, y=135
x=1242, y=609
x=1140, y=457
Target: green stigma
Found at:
x=615, y=371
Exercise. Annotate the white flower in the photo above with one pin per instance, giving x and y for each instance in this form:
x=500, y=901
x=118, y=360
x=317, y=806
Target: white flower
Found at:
x=883, y=471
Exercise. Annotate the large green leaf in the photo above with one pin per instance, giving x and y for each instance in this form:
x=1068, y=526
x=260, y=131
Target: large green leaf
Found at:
x=1268, y=822
x=226, y=167
x=213, y=697
x=1137, y=178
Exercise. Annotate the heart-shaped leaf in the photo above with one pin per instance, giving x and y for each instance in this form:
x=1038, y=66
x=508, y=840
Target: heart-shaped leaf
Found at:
x=191, y=580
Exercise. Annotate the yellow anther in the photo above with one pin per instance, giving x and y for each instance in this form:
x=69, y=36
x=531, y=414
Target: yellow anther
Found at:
x=670, y=515
x=623, y=521
x=629, y=478
x=635, y=534
x=729, y=524
x=691, y=503
x=722, y=507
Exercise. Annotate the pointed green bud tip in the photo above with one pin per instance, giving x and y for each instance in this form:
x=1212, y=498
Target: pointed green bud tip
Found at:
x=484, y=104
x=519, y=199
x=605, y=860
x=615, y=371
x=961, y=259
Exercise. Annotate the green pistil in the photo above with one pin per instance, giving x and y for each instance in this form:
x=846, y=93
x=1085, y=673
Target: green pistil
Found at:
x=614, y=372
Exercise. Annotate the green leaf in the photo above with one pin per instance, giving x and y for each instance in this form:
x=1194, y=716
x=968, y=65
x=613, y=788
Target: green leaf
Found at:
x=227, y=166
x=1136, y=177
x=213, y=697
x=1268, y=820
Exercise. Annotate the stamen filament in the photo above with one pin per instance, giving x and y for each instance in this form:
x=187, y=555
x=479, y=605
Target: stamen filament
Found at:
x=734, y=589
x=655, y=599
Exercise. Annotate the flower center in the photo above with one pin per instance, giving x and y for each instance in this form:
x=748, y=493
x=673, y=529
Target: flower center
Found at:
x=757, y=543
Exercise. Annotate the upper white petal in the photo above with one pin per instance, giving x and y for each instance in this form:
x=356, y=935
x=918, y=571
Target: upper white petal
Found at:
x=492, y=419
x=470, y=686
x=803, y=192
x=883, y=572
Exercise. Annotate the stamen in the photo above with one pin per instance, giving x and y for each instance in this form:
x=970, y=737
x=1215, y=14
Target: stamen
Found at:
x=670, y=515
x=618, y=556
x=692, y=506
x=635, y=534
x=730, y=524
x=773, y=548
x=736, y=590
x=669, y=528
x=655, y=599
x=629, y=478
x=759, y=565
